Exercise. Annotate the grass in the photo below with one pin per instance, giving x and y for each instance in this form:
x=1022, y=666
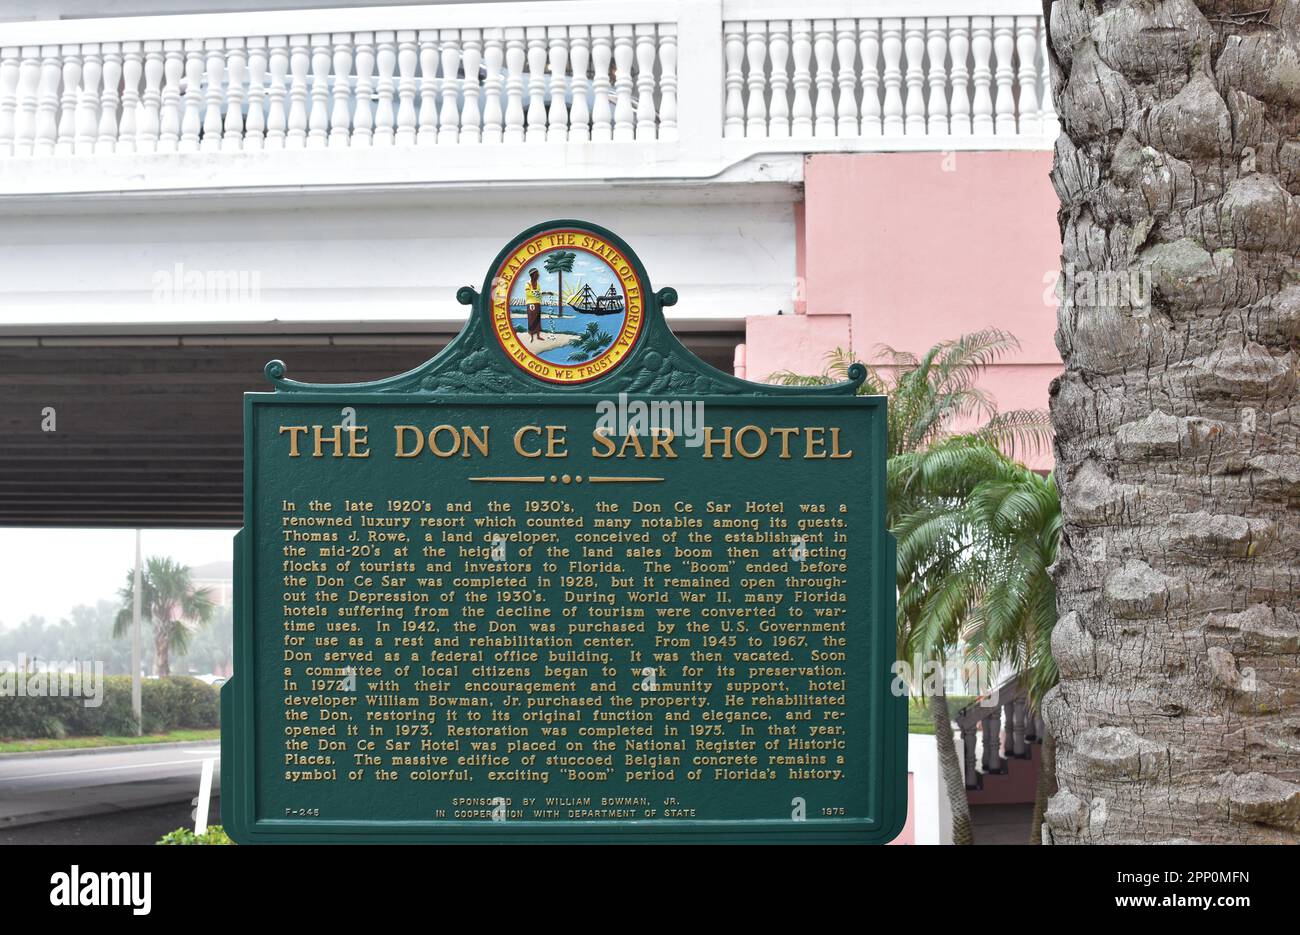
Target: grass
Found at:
x=76, y=743
x=918, y=712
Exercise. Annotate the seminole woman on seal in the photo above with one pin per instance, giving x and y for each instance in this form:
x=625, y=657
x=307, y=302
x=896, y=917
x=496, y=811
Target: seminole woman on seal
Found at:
x=533, y=300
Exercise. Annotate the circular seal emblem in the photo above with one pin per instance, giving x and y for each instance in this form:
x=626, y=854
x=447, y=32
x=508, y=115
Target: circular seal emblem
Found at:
x=567, y=305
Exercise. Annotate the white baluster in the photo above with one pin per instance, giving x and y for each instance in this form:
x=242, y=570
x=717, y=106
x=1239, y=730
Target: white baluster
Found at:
x=216, y=72
x=515, y=57
x=407, y=59
x=778, y=118
x=29, y=77
x=255, y=125
x=428, y=129
x=340, y=134
x=624, y=128
x=318, y=123
x=493, y=62
x=936, y=48
x=277, y=117
x=536, y=132
x=92, y=71
x=733, y=123
x=1004, y=46
x=363, y=122
x=107, y=141
x=646, y=118
x=667, y=81
x=132, y=71
x=66, y=137
x=191, y=120
x=891, y=47
x=981, y=43
x=232, y=139
x=1030, y=123
x=1051, y=127
x=386, y=68
x=47, y=101
x=299, y=62
x=756, y=84
x=10, y=66
x=449, y=89
x=557, y=124
x=801, y=124
x=150, y=123
x=959, y=49
x=471, y=115
x=869, y=46
x=824, y=50
x=601, y=115
x=846, y=54
x=914, y=46
x=580, y=113
x=169, y=116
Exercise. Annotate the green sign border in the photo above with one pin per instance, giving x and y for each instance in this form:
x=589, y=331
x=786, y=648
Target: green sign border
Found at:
x=473, y=369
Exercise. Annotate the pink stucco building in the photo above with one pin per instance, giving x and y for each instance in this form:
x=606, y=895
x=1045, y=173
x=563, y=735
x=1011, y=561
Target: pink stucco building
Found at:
x=908, y=249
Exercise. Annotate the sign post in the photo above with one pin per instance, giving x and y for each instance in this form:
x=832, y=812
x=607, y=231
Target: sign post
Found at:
x=563, y=582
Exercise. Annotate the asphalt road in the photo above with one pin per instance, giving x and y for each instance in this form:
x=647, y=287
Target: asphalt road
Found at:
x=42, y=788
x=136, y=826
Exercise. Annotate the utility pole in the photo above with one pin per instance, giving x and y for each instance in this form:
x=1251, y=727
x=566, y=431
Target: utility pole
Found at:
x=137, y=591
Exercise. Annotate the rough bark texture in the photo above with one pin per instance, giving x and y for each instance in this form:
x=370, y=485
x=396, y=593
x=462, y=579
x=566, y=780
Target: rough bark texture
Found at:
x=1178, y=712
x=1044, y=789
x=954, y=781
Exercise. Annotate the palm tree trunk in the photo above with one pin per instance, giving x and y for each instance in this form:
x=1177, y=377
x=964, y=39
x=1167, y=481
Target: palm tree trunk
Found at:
x=950, y=769
x=1177, y=442
x=1046, y=786
x=161, y=649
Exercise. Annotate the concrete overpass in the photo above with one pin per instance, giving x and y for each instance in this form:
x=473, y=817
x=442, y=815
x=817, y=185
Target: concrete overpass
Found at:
x=148, y=420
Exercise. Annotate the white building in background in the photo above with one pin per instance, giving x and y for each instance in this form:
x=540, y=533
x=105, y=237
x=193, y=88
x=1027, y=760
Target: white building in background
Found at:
x=331, y=163
x=218, y=578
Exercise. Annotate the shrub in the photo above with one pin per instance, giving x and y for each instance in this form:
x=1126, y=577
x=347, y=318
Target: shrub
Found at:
x=172, y=703
x=214, y=835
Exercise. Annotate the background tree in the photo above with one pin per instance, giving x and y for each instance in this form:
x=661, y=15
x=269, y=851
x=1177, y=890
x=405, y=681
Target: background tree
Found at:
x=1178, y=422
x=929, y=396
x=973, y=565
x=170, y=604
x=559, y=263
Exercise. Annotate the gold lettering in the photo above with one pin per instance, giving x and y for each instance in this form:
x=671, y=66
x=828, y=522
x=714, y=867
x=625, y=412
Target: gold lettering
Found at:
x=784, y=434
x=519, y=440
x=815, y=446
x=419, y=441
x=710, y=441
x=335, y=439
x=601, y=437
x=294, y=431
x=740, y=444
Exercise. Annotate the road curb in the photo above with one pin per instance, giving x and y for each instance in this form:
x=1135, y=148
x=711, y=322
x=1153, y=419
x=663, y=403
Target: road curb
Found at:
x=119, y=748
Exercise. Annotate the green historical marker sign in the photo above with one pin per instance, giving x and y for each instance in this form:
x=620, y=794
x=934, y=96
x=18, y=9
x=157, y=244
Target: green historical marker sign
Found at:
x=563, y=582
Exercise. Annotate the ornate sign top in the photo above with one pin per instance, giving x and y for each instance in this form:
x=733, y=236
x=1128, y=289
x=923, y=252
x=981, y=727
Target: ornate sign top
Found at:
x=499, y=350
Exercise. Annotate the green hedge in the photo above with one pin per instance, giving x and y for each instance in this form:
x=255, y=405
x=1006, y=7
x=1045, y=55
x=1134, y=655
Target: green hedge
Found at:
x=215, y=835
x=173, y=703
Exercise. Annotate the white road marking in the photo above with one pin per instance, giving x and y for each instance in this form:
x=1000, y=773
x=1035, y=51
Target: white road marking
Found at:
x=97, y=769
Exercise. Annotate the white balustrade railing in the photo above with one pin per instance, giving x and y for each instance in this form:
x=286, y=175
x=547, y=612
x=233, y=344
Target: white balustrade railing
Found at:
x=170, y=90
x=882, y=78
x=688, y=79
